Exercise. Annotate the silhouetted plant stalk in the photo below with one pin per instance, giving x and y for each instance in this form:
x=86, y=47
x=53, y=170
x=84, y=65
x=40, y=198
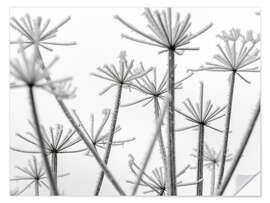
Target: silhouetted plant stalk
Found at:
x=37, y=37
x=201, y=115
x=236, y=59
x=157, y=182
x=172, y=39
x=35, y=174
x=154, y=92
x=151, y=146
x=120, y=78
x=212, y=160
x=240, y=150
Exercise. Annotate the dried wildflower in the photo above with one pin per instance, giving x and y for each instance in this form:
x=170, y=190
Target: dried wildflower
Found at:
x=98, y=137
x=157, y=182
x=238, y=56
x=29, y=72
x=174, y=40
x=164, y=33
x=36, y=32
x=212, y=160
x=62, y=90
x=122, y=76
x=201, y=115
x=151, y=89
x=34, y=173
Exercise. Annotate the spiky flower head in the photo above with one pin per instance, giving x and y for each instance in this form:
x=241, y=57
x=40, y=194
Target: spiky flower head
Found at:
x=201, y=113
x=237, y=55
x=96, y=135
x=150, y=88
x=33, y=172
x=211, y=156
x=36, y=32
x=157, y=181
x=55, y=140
x=165, y=33
x=123, y=76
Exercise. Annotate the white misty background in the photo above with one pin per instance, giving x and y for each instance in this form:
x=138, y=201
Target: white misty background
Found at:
x=98, y=39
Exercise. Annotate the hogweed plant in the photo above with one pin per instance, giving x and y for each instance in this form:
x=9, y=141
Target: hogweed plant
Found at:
x=154, y=92
x=157, y=181
x=36, y=32
x=55, y=143
x=236, y=58
x=38, y=41
x=212, y=160
x=34, y=173
x=28, y=73
x=120, y=78
x=174, y=38
x=201, y=115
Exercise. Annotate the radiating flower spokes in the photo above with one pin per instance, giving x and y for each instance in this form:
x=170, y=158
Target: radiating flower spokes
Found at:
x=122, y=76
x=96, y=135
x=156, y=182
x=55, y=140
x=36, y=32
x=33, y=172
x=200, y=113
x=211, y=156
x=30, y=71
x=237, y=56
x=150, y=87
x=165, y=33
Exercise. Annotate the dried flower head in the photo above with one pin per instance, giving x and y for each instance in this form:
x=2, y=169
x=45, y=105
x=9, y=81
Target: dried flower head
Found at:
x=34, y=172
x=210, y=156
x=29, y=71
x=122, y=76
x=165, y=34
x=150, y=88
x=237, y=56
x=156, y=182
x=55, y=140
x=200, y=113
x=36, y=32
x=97, y=137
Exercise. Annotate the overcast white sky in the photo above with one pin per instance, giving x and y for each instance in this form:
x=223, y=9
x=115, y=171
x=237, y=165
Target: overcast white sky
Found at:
x=97, y=34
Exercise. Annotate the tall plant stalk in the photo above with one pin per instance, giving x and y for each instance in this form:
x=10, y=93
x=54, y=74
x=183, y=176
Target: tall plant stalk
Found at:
x=171, y=172
x=200, y=147
x=240, y=151
x=227, y=129
x=41, y=142
x=160, y=137
x=110, y=140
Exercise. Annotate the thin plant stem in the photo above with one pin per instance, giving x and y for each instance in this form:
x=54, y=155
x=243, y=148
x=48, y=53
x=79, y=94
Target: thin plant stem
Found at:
x=160, y=138
x=36, y=188
x=200, y=148
x=171, y=134
x=200, y=161
x=227, y=129
x=240, y=151
x=110, y=140
x=89, y=144
x=41, y=142
x=54, y=167
x=151, y=147
x=213, y=178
